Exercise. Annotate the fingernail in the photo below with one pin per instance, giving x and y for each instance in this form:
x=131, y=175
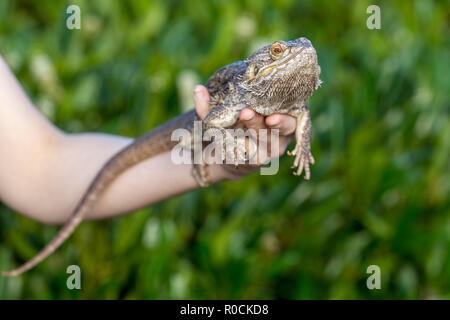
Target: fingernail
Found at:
x=197, y=90
x=273, y=121
x=247, y=115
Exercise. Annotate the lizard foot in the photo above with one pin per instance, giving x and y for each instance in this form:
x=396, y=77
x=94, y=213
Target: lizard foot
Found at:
x=303, y=158
x=234, y=150
x=200, y=174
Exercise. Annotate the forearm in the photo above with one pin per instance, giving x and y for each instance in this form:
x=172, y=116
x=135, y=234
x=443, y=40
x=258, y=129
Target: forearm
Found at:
x=153, y=180
x=52, y=193
x=44, y=172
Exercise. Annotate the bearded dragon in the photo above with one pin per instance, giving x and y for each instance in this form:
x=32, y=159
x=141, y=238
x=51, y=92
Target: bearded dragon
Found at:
x=277, y=78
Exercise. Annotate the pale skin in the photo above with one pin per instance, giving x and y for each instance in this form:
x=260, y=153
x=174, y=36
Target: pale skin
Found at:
x=45, y=171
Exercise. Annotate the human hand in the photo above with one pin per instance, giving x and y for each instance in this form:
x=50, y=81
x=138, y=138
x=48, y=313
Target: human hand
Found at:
x=286, y=125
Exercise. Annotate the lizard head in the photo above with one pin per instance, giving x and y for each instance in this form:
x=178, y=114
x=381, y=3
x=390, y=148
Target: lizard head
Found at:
x=282, y=72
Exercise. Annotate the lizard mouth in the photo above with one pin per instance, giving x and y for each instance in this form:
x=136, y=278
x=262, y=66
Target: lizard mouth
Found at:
x=277, y=64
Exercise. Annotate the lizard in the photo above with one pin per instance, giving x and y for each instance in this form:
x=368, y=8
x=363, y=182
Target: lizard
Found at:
x=277, y=78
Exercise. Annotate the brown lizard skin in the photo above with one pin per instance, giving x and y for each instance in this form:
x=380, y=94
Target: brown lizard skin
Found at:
x=277, y=78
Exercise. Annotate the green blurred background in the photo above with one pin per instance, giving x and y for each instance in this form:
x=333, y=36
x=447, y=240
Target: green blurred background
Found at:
x=379, y=193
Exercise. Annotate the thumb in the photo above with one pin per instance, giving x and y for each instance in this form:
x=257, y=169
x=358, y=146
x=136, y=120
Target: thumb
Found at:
x=201, y=99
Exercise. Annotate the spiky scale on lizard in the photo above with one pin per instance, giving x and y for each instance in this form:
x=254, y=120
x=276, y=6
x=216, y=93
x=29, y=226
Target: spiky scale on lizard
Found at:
x=277, y=78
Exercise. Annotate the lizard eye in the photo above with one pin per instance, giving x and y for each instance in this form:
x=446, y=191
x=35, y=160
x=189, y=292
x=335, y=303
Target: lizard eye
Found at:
x=276, y=50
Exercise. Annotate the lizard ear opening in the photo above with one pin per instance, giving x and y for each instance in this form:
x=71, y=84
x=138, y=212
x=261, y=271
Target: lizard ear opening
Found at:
x=255, y=70
x=252, y=71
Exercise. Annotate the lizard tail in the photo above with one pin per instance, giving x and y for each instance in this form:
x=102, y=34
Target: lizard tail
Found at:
x=63, y=234
x=149, y=145
x=106, y=175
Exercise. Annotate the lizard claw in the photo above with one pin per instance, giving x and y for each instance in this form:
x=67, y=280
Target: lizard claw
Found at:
x=303, y=159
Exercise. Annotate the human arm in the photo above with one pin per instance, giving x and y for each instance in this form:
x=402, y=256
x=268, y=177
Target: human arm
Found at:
x=44, y=171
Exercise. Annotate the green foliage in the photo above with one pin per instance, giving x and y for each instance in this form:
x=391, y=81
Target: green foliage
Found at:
x=379, y=192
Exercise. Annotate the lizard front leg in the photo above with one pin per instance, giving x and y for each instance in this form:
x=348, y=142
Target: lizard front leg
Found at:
x=302, y=150
x=219, y=118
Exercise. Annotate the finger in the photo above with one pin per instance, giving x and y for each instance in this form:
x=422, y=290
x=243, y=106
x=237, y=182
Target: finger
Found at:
x=283, y=122
x=251, y=119
x=201, y=99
